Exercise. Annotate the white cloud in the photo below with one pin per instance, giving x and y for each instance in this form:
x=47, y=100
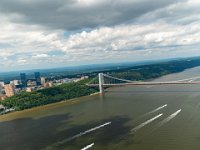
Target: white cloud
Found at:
x=170, y=31
x=40, y=56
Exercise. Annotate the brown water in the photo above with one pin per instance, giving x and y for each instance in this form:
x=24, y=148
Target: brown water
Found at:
x=125, y=118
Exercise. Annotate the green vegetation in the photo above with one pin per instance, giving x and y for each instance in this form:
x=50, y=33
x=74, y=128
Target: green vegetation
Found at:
x=151, y=71
x=146, y=72
x=26, y=100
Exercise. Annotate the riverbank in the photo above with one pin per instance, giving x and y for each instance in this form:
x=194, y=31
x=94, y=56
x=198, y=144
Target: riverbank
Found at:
x=73, y=101
x=125, y=107
x=55, y=94
x=59, y=93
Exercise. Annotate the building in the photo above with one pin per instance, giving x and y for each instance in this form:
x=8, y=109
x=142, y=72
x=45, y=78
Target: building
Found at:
x=23, y=79
x=2, y=84
x=9, y=90
x=29, y=89
x=31, y=83
x=79, y=79
x=43, y=80
x=1, y=90
x=84, y=77
x=2, y=97
x=2, y=108
x=37, y=78
x=48, y=84
x=1, y=87
x=15, y=83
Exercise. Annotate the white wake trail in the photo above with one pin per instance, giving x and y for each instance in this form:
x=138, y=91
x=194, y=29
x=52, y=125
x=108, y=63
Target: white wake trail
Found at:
x=88, y=146
x=157, y=109
x=169, y=118
x=82, y=133
x=146, y=123
x=151, y=112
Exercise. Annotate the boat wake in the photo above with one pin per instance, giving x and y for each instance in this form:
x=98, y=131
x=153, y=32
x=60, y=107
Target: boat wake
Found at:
x=157, y=109
x=169, y=118
x=88, y=146
x=146, y=123
x=81, y=134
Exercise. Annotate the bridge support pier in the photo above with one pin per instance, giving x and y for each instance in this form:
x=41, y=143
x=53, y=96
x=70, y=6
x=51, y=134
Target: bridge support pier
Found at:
x=101, y=82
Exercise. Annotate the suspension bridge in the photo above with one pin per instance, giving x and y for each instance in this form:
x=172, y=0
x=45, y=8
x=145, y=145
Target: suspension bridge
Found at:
x=105, y=80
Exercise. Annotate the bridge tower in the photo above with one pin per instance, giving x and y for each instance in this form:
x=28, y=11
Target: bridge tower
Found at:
x=101, y=82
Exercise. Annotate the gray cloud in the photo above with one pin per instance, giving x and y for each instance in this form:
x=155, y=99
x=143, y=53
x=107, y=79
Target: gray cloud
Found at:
x=74, y=32
x=79, y=14
x=180, y=13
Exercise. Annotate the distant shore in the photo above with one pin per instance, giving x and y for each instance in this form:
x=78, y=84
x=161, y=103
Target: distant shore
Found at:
x=70, y=92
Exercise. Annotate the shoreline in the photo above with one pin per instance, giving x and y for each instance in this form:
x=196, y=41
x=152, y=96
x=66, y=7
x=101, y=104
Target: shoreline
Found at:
x=67, y=102
x=75, y=100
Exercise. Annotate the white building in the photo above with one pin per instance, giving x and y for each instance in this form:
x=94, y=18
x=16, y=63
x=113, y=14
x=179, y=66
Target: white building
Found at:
x=43, y=80
x=31, y=83
x=29, y=89
x=2, y=84
x=15, y=83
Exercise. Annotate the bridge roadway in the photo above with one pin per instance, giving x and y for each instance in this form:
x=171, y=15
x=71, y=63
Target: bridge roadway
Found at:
x=146, y=83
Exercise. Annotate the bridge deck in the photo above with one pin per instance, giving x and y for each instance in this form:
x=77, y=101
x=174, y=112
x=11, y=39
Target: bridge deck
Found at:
x=145, y=83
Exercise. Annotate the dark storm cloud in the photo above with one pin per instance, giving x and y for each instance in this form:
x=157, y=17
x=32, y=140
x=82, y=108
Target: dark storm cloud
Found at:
x=79, y=14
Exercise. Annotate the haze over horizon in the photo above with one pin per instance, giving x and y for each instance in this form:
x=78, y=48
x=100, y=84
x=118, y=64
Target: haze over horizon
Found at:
x=49, y=34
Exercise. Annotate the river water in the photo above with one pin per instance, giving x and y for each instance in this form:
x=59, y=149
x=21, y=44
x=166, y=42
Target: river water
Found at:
x=164, y=117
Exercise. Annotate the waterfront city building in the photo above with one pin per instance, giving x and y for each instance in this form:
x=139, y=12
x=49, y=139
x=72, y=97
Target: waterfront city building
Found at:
x=9, y=90
x=37, y=78
x=15, y=83
x=2, y=84
x=23, y=79
x=43, y=80
x=31, y=83
x=48, y=84
x=29, y=89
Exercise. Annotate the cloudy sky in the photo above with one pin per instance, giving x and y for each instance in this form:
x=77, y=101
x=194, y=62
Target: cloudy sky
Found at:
x=50, y=33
